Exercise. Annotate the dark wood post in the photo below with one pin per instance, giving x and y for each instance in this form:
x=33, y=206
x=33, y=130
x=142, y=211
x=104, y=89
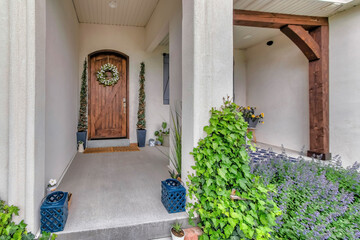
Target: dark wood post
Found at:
x=311, y=35
x=319, y=95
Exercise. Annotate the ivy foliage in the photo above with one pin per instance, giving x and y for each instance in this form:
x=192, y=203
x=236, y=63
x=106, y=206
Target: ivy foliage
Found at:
x=9, y=230
x=222, y=164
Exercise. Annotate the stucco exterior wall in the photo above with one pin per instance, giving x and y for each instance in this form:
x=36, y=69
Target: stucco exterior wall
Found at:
x=131, y=41
x=207, y=62
x=345, y=85
x=62, y=89
x=277, y=84
x=239, y=77
x=4, y=98
x=175, y=74
x=158, y=26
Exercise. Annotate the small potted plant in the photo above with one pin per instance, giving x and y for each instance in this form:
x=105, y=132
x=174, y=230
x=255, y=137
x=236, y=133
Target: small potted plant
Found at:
x=162, y=135
x=80, y=146
x=177, y=233
x=250, y=117
x=51, y=187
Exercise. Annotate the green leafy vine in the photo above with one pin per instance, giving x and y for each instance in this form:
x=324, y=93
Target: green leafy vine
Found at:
x=222, y=176
x=9, y=230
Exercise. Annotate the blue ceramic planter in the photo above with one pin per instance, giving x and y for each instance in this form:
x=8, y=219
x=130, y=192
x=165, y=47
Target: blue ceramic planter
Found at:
x=141, y=137
x=81, y=136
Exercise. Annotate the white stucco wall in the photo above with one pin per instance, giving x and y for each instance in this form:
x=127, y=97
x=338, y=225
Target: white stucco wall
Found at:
x=131, y=41
x=4, y=98
x=239, y=77
x=158, y=26
x=175, y=66
x=61, y=86
x=345, y=85
x=277, y=84
x=175, y=73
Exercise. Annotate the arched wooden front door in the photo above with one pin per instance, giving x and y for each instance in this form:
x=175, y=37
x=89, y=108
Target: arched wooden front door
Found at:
x=108, y=107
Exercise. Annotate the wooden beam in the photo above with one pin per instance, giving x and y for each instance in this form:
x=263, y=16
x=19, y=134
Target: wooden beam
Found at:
x=303, y=40
x=319, y=95
x=275, y=20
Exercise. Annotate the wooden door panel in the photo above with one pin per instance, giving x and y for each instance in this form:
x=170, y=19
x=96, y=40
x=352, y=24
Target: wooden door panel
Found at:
x=107, y=114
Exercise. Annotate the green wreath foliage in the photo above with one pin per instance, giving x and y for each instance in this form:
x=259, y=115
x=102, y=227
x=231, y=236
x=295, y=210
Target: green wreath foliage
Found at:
x=221, y=165
x=101, y=75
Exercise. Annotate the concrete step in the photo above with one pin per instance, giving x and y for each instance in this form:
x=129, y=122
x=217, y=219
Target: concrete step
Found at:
x=145, y=231
x=108, y=143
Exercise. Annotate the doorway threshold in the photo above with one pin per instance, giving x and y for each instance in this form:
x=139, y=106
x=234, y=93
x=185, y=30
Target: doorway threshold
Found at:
x=108, y=143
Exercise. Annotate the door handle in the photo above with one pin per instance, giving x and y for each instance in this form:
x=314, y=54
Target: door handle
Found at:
x=124, y=105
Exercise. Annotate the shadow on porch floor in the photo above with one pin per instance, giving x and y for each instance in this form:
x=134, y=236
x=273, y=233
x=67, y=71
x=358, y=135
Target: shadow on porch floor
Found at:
x=117, y=196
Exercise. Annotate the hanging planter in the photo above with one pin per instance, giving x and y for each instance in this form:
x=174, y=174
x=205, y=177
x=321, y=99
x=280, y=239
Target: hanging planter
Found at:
x=249, y=116
x=253, y=122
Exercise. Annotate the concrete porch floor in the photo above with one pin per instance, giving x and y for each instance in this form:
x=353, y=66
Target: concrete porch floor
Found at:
x=117, y=196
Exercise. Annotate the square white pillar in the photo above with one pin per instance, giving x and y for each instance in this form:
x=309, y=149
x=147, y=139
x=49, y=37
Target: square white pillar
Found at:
x=23, y=106
x=207, y=67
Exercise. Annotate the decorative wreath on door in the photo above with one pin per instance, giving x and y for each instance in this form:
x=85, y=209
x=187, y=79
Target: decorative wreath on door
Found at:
x=108, y=75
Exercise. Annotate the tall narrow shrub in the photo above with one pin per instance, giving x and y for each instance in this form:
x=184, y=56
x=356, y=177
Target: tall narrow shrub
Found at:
x=82, y=123
x=221, y=165
x=141, y=124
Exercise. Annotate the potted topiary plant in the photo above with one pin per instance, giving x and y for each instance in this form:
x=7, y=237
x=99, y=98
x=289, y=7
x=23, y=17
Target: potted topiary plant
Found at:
x=141, y=124
x=177, y=233
x=81, y=135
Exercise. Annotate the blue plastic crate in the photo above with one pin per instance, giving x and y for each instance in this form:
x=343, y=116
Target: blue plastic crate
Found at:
x=173, y=196
x=54, y=212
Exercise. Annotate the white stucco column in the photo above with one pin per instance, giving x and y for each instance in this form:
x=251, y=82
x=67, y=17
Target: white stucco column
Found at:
x=175, y=73
x=207, y=67
x=22, y=106
x=4, y=98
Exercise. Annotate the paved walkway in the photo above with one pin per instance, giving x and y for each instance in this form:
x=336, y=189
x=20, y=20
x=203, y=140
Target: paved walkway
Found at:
x=116, y=189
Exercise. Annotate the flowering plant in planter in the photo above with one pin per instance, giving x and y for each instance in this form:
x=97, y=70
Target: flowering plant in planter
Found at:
x=250, y=117
x=51, y=187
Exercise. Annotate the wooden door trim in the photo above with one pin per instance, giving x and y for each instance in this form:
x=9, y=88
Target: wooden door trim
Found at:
x=110, y=51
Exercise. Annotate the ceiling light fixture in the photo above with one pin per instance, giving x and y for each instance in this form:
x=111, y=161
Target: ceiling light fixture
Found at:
x=113, y=4
x=337, y=2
